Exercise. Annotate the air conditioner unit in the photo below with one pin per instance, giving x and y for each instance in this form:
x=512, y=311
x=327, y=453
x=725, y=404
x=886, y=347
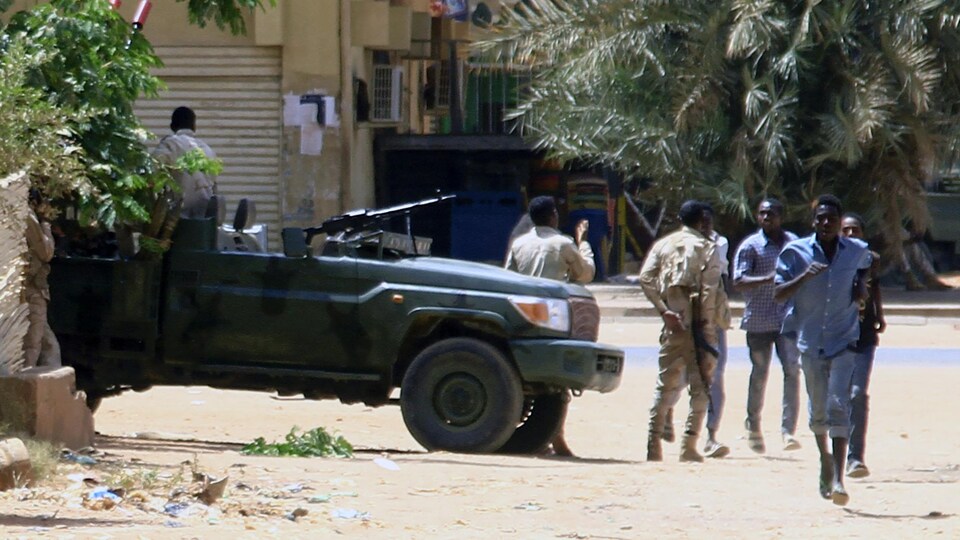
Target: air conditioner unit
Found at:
x=387, y=90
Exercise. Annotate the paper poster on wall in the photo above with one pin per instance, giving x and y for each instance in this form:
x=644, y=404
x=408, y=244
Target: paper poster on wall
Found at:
x=308, y=114
x=291, y=110
x=331, y=118
x=311, y=138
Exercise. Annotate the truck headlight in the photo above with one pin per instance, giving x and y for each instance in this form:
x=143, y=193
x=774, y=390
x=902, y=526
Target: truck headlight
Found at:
x=549, y=313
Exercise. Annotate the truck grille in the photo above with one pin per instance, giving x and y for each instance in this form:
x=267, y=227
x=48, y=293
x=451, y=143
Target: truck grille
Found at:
x=585, y=319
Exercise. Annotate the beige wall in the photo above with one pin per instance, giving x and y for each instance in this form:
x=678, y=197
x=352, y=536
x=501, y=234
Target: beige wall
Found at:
x=167, y=25
x=308, y=31
x=311, y=44
x=311, y=62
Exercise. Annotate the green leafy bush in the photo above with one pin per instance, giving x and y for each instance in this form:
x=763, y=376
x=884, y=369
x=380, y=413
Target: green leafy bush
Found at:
x=314, y=443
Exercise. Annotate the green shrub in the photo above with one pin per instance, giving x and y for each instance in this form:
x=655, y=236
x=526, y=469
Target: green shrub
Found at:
x=314, y=443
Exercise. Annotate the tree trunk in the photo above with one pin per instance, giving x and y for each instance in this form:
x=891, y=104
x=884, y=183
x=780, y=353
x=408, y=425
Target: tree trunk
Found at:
x=641, y=230
x=911, y=257
x=13, y=259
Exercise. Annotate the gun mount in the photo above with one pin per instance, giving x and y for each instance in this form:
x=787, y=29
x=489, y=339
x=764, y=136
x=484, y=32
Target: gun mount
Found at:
x=366, y=226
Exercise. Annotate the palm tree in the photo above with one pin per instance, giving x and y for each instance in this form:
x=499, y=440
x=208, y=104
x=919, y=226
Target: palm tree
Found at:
x=734, y=99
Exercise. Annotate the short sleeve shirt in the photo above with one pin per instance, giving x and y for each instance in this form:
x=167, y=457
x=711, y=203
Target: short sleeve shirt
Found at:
x=823, y=312
x=545, y=252
x=682, y=263
x=757, y=256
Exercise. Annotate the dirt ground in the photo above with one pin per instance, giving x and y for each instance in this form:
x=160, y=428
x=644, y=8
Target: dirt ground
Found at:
x=393, y=489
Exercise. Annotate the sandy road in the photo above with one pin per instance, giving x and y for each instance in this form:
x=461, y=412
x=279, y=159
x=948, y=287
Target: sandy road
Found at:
x=608, y=491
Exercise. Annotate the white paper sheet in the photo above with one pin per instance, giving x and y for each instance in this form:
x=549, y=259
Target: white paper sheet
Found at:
x=330, y=110
x=311, y=137
x=291, y=110
x=308, y=114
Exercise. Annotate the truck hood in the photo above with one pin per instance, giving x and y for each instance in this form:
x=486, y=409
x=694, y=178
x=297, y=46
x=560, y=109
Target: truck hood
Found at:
x=466, y=275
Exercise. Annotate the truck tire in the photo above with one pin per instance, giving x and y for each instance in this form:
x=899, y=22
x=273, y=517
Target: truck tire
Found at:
x=93, y=402
x=544, y=417
x=461, y=395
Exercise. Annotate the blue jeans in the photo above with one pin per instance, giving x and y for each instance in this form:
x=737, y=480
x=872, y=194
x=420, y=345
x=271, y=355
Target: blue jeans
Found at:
x=761, y=345
x=828, y=387
x=717, y=395
x=860, y=403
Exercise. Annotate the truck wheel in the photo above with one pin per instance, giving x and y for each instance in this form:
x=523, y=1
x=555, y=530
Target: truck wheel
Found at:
x=544, y=417
x=93, y=402
x=461, y=395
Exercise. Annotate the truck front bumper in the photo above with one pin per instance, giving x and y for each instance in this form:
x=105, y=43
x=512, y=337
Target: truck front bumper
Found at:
x=578, y=365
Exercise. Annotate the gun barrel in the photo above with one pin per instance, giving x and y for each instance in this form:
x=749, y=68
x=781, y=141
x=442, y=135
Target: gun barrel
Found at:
x=368, y=217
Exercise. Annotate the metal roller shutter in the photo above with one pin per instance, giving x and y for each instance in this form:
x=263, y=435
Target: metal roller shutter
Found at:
x=236, y=94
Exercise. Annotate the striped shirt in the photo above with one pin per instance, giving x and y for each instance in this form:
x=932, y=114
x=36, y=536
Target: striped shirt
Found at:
x=757, y=256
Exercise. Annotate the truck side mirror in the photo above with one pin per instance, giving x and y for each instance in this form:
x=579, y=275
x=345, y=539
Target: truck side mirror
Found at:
x=294, y=242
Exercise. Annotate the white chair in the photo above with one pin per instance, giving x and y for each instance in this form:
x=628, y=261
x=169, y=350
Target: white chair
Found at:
x=245, y=234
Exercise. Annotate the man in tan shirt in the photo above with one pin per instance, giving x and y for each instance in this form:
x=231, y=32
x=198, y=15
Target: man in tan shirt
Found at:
x=544, y=252
x=682, y=267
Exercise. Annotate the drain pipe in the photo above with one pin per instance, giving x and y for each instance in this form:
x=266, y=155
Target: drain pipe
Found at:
x=347, y=131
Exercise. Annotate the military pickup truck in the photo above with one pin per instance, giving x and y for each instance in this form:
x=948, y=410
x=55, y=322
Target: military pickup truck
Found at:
x=484, y=359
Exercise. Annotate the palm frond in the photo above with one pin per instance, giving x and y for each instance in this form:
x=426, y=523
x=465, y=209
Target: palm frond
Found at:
x=756, y=29
x=916, y=66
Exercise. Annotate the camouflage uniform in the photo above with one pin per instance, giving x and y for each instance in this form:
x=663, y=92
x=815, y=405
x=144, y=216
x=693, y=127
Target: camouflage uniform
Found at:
x=681, y=265
x=39, y=345
x=545, y=252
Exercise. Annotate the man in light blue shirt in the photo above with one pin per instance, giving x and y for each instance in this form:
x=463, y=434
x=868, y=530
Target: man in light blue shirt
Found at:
x=822, y=277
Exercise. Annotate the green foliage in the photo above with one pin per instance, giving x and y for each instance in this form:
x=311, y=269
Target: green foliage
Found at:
x=196, y=161
x=151, y=245
x=314, y=443
x=98, y=67
x=223, y=12
x=71, y=71
x=37, y=135
x=735, y=99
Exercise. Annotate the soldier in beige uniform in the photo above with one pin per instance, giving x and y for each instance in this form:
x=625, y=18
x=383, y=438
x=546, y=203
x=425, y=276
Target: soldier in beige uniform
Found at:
x=40, y=345
x=196, y=188
x=545, y=252
x=682, y=269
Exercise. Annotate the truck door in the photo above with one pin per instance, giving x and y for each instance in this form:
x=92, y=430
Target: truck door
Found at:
x=261, y=310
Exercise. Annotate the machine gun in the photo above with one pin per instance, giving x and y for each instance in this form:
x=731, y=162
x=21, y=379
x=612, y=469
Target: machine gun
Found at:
x=357, y=222
x=701, y=345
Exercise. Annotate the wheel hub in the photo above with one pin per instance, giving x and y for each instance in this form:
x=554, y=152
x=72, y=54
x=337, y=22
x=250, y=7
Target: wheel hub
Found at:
x=460, y=399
